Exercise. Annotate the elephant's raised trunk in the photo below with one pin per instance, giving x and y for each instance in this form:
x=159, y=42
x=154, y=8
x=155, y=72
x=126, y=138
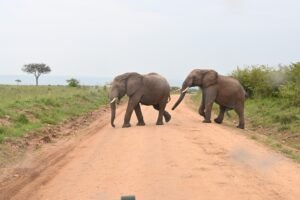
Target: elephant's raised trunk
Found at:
x=113, y=113
x=180, y=99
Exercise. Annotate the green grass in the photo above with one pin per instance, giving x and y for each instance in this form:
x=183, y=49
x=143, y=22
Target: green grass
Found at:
x=273, y=113
x=28, y=108
x=276, y=119
x=276, y=123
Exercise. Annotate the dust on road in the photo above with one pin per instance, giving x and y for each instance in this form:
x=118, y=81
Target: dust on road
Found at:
x=184, y=159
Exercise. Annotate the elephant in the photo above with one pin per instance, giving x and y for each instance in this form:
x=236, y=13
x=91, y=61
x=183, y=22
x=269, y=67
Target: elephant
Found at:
x=150, y=89
x=226, y=91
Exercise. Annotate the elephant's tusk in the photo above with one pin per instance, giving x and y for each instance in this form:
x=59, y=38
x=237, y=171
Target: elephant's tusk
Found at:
x=113, y=100
x=185, y=90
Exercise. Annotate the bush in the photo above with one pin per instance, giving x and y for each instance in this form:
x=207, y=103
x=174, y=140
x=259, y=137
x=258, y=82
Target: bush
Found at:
x=255, y=80
x=73, y=82
x=291, y=90
x=261, y=80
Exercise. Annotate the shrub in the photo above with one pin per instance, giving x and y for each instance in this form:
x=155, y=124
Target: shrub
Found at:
x=73, y=82
x=261, y=80
x=255, y=80
x=291, y=90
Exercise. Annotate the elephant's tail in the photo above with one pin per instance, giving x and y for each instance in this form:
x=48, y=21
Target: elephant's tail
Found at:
x=246, y=95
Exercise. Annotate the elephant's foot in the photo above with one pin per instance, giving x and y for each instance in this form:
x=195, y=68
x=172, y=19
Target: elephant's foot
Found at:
x=167, y=117
x=159, y=123
x=141, y=124
x=218, y=121
x=126, y=125
x=206, y=121
x=202, y=113
x=241, y=126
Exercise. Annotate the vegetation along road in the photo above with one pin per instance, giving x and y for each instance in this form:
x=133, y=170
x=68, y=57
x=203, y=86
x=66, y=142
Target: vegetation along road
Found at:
x=184, y=159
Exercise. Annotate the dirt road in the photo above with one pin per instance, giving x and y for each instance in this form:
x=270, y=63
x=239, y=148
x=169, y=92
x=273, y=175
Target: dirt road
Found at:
x=184, y=159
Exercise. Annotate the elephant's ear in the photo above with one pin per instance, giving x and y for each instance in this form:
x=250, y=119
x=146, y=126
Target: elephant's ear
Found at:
x=210, y=78
x=134, y=82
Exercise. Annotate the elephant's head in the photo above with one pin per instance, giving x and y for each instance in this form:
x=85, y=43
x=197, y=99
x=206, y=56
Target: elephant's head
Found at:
x=197, y=77
x=128, y=84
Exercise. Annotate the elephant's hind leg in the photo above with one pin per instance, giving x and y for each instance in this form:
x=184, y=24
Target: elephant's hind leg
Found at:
x=161, y=111
x=210, y=96
x=220, y=117
x=139, y=115
x=166, y=115
x=240, y=111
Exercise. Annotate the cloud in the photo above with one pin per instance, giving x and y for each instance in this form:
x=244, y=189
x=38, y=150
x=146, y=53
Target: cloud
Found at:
x=234, y=6
x=108, y=37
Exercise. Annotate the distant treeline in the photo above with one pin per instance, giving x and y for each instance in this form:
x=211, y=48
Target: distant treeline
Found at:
x=262, y=81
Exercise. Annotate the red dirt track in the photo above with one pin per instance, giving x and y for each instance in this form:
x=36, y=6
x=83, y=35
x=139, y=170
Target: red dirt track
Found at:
x=184, y=159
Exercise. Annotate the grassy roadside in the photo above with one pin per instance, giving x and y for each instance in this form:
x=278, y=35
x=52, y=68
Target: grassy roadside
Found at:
x=24, y=109
x=269, y=121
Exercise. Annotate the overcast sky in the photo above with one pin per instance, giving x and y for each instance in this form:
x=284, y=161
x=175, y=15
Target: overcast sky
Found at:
x=171, y=37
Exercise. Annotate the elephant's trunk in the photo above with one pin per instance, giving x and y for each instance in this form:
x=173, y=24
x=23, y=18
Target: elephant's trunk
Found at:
x=179, y=100
x=113, y=113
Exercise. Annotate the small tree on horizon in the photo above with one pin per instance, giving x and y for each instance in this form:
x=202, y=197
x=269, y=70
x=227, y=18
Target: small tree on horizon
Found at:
x=73, y=82
x=18, y=81
x=37, y=69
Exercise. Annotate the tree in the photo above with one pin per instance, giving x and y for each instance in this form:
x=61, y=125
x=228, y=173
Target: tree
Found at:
x=256, y=80
x=73, y=82
x=291, y=89
x=18, y=81
x=37, y=69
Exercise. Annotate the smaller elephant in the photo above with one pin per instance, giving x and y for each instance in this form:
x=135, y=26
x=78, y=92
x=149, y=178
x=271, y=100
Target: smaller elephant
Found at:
x=150, y=89
x=225, y=91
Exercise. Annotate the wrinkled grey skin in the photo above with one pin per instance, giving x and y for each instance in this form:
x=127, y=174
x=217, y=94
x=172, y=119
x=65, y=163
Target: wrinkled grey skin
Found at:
x=150, y=89
x=225, y=91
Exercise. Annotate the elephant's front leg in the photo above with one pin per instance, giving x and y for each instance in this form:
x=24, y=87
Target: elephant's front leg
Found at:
x=132, y=103
x=220, y=117
x=210, y=96
x=202, y=105
x=139, y=115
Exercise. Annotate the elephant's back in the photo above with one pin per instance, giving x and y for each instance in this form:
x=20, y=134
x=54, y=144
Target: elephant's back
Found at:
x=156, y=81
x=229, y=82
x=230, y=92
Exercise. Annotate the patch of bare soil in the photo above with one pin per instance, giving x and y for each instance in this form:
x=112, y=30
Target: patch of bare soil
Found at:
x=5, y=121
x=16, y=155
x=183, y=159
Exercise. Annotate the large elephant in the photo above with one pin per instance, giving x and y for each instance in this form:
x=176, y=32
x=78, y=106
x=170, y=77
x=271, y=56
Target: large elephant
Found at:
x=150, y=89
x=225, y=91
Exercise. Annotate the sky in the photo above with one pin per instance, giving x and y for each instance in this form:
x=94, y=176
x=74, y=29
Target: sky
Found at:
x=104, y=38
